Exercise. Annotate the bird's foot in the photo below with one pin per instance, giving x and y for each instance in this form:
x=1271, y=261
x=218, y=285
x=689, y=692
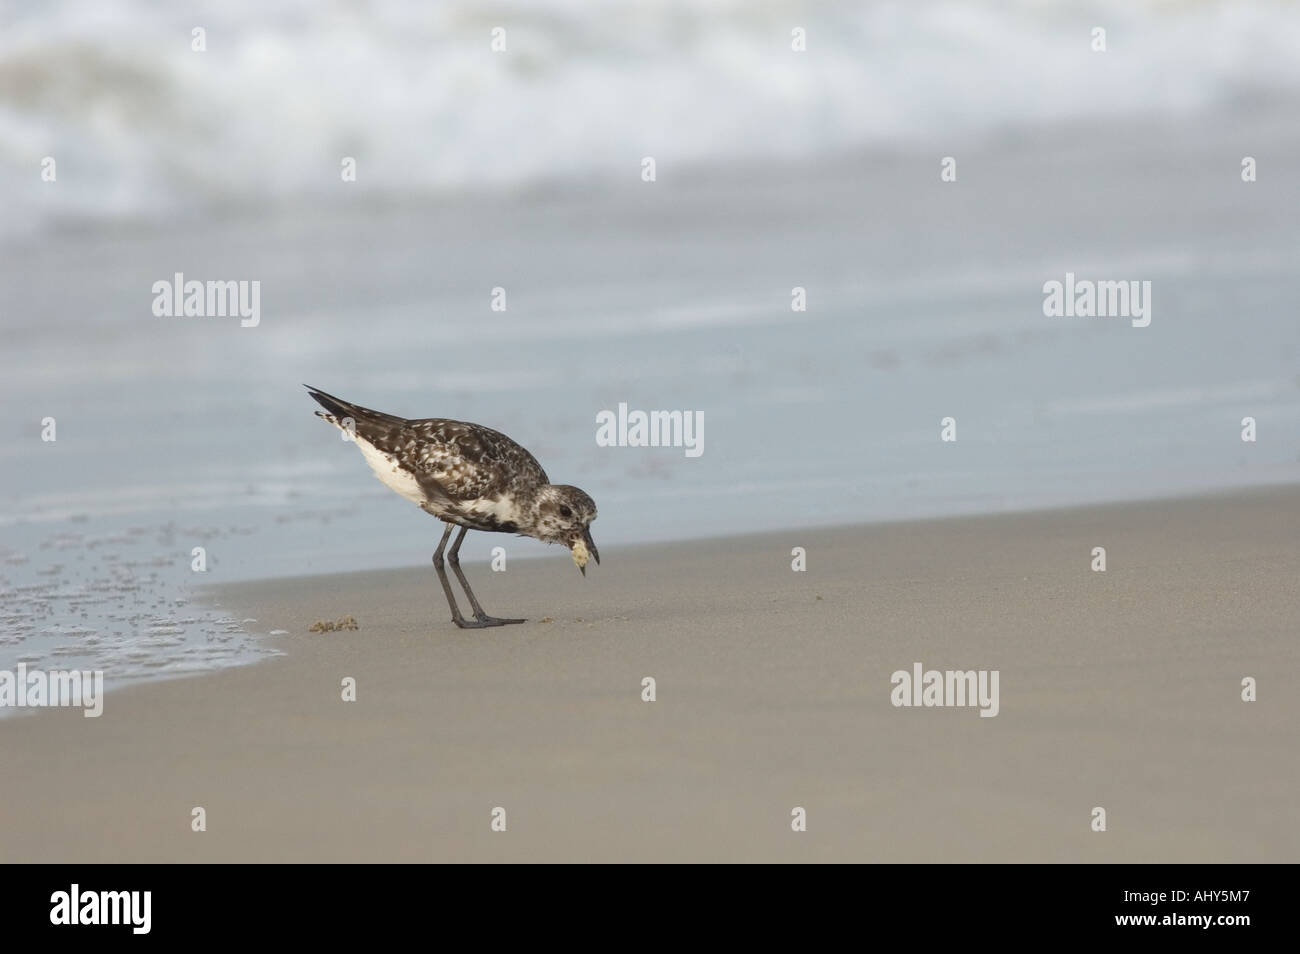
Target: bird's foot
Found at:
x=484, y=622
x=497, y=620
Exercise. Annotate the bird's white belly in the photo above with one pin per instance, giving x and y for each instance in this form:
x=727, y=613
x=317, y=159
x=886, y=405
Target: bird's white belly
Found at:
x=395, y=478
x=501, y=509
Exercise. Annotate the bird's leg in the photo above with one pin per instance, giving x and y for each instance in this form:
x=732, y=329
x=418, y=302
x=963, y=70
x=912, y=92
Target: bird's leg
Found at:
x=453, y=557
x=446, y=586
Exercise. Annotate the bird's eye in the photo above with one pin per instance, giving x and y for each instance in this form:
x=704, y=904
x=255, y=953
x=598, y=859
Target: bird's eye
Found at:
x=565, y=512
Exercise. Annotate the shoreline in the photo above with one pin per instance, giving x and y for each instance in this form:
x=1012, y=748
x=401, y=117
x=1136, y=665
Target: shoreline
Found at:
x=270, y=644
x=1118, y=689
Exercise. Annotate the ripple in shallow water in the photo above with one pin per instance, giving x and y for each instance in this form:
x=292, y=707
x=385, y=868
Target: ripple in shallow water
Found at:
x=116, y=611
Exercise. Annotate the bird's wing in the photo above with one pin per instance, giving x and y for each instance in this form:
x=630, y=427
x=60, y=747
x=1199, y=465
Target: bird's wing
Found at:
x=451, y=460
x=463, y=461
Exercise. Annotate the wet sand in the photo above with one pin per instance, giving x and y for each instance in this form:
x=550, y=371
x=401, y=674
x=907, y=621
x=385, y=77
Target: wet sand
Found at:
x=1119, y=689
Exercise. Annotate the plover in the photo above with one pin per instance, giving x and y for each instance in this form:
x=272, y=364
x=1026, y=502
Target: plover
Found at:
x=471, y=477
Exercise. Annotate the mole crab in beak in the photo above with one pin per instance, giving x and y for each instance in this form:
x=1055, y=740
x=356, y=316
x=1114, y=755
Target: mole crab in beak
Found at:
x=584, y=548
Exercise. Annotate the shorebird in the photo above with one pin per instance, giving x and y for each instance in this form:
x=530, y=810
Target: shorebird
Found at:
x=468, y=476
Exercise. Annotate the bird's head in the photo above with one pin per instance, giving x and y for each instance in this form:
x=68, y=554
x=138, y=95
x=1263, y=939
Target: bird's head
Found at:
x=564, y=515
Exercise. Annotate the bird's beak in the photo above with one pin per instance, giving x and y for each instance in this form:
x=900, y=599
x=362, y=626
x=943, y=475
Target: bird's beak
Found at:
x=584, y=548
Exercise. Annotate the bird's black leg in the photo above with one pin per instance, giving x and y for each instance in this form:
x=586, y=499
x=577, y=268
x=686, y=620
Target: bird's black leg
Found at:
x=453, y=557
x=446, y=586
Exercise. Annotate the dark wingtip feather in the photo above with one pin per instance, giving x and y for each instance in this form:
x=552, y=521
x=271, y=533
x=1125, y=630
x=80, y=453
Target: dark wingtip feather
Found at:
x=336, y=406
x=344, y=409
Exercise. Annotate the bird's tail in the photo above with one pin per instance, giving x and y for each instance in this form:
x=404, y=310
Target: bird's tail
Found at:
x=338, y=410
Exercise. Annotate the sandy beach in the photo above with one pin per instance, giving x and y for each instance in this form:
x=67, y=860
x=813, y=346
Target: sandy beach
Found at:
x=1119, y=689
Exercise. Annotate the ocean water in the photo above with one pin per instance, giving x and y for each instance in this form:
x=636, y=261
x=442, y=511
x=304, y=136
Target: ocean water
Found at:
x=521, y=171
x=143, y=126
